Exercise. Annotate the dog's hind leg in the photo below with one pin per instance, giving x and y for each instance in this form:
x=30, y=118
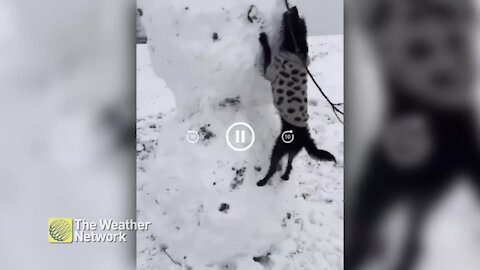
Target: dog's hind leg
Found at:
x=278, y=152
x=291, y=156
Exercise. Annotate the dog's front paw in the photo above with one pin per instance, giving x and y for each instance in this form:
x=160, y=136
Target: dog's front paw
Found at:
x=285, y=177
x=262, y=182
x=263, y=38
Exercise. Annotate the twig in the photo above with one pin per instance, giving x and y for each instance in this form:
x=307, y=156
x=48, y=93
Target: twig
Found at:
x=336, y=110
x=164, y=250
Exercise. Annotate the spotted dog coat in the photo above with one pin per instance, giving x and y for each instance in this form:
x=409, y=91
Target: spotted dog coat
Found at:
x=288, y=75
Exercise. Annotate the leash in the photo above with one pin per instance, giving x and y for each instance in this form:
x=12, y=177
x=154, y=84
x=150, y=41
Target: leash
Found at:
x=336, y=110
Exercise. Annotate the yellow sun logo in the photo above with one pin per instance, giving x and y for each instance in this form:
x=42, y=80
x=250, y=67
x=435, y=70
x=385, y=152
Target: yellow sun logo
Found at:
x=60, y=230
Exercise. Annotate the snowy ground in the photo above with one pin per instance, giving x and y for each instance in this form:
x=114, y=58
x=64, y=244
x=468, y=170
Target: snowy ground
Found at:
x=288, y=225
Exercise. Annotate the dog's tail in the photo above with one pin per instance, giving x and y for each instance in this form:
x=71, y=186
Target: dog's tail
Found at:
x=316, y=153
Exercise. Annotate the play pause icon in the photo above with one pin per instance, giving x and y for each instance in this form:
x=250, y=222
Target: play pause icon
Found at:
x=240, y=136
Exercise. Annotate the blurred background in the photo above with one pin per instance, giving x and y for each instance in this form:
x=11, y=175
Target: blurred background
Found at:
x=67, y=99
x=412, y=146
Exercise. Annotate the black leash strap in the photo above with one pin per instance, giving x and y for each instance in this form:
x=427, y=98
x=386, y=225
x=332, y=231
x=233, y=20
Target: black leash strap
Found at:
x=336, y=110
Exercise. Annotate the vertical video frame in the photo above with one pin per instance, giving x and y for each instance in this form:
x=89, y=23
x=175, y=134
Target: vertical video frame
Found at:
x=240, y=134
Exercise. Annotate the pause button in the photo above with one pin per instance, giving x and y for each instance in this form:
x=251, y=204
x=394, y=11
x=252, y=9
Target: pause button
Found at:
x=240, y=136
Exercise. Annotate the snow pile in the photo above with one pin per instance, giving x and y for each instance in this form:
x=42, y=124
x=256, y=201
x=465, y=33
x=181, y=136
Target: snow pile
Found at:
x=202, y=198
x=208, y=44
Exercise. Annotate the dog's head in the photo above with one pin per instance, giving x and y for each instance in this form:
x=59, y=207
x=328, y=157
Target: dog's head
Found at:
x=294, y=31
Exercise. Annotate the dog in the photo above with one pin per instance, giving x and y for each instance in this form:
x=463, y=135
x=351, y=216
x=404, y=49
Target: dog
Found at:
x=288, y=77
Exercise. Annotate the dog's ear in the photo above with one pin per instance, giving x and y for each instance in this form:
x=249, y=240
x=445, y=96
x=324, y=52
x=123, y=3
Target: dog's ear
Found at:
x=294, y=32
x=293, y=19
x=293, y=12
x=293, y=15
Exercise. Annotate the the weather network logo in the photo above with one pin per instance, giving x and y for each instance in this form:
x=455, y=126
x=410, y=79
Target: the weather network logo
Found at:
x=60, y=230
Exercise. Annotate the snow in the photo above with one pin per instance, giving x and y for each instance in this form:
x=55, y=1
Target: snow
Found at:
x=180, y=186
x=202, y=199
x=181, y=33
